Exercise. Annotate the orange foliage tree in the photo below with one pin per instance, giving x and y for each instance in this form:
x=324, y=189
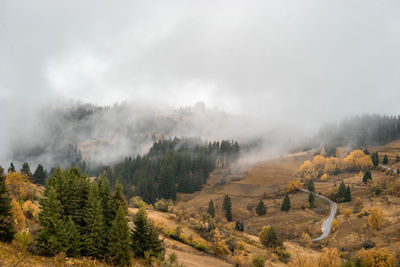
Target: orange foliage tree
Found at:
x=18, y=185
x=375, y=218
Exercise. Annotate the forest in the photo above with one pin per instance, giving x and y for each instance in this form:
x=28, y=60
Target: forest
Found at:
x=171, y=166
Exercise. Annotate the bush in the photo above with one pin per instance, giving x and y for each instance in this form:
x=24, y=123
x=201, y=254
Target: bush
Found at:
x=293, y=186
x=200, y=245
x=282, y=254
x=163, y=205
x=23, y=239
x=375, y=257
x=367, y=244
x=335, y=225
x=305, y=240
x=375, y=218
x=239, y=226
x=258, y=261
x=329, y=258
x=269, y=237
x=347, y=213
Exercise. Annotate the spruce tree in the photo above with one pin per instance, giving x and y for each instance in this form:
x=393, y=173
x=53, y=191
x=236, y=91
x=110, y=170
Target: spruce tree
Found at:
x=39, y=176
x=7, y=229
x=11, y=168
x=144, y=237
x=347, y=196
x=106, y=206
x=286, y=203
x=311, y=200
x=73, y=239
x=25, y=169
x=227, y=206
x=93, y=239
x=167, y=177
x=211, y=209
x=118, y=249
x=375, y=158
x=261, y=209
x=341, y=192
x=367, y=176
x=52, y=236
x=385, y=160
x=118, y=199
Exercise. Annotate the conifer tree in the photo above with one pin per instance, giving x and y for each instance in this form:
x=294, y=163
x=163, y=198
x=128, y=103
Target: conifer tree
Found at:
x=375, y=158
x=211, y=209
x=367, y=176
x=118, y=199
x=341, y=192
x=310, y=185
x=167, y=177
x=52, y=236
x=39, y=176
x=311, y=200
x=227, y=206
x=7, y=229
x=385, y=160
x=347, y=196
x=25, y=169
x=286, y=203
x=11, y=168
x=93, y=239
x=118, y=249
x=261, y=209
x=144, y=237
x=73, y=239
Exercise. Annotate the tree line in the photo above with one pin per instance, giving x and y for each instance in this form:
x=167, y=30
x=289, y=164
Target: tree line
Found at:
x=171, y=166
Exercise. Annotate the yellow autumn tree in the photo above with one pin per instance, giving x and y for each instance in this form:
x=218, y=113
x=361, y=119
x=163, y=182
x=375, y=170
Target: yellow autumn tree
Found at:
x=332, y=165
x=319, y=165
x=375, y=258
x=335, y=225
x=324, y=177
x=329, y=258
x=220, y=246
x=306, y=170
x=303, y=261
x=19, y=185
x=18, y=216
x=294, y=186
x=357, y=161
x=347, y=212
x=375, y=218
x=31, y=208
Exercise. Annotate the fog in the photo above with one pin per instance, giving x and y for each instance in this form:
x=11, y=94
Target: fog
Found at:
x=279, y=68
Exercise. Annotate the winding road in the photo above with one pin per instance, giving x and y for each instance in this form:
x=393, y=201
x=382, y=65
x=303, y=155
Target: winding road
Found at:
x=326, y=225
x=388, y=168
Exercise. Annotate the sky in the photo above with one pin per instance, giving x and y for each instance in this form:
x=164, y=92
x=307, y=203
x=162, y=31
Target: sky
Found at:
x=313, y=61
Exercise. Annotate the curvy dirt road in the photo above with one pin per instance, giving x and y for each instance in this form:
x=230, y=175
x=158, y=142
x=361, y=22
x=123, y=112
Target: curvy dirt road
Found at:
x=326, y=225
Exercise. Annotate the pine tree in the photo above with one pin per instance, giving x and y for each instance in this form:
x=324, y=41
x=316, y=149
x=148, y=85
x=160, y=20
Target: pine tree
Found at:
x=286, y=203
x=310, y=185
x=93, y=239
x=367, y=176
x=227, y=206
x=25, y=169
x=144, y=237
x=119, y=248
x=347, y=196
x=11, y=168
x=7, y=229
x=52, y=236
x=311, y=200
x=39, y=177
x=105, y=195
x=261, y=209
x=385, y=160
x=211, y=209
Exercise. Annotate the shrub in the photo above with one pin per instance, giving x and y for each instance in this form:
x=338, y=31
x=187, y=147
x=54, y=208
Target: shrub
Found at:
x=258, y=261
x=269, y=237
x=282, y=254
x=200, y=245
x=335, y=225
x=375, y=218
x=375, y=257
x=347, y=212
x=367, y=244
x=239, y=226
x=163, y=205
x=329, y=258
x=23, y=238
x=305, y=240
x=324, y=177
